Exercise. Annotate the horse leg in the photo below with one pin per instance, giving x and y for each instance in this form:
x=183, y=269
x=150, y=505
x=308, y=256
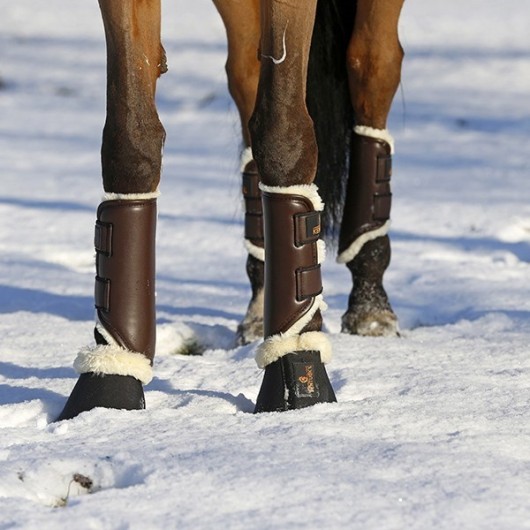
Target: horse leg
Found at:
x=112, y=372
x=241, y=19
x=284, y=145
x=374, y=59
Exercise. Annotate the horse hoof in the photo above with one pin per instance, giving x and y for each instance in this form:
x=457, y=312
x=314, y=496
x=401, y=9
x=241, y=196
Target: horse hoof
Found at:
x=248, y=332
x=295, y=381
x=381, y=323
x=108, y=391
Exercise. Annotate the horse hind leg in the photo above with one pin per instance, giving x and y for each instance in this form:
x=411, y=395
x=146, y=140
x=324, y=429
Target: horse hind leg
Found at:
x=242, y=23
x=374, y=59
x=113, y=371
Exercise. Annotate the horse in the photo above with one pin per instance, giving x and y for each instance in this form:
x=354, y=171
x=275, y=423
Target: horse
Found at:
x=313, y=82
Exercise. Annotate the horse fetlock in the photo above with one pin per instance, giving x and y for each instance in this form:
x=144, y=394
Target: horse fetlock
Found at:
x=251, y=327
x=369, y=311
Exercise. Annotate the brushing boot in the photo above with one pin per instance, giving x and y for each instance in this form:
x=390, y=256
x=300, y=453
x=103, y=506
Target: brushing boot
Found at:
x=251, y=328
x=112, y=373
x=295, y=350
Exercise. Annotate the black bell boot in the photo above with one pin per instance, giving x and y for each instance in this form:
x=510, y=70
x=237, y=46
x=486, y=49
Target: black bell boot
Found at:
x=294, y=350
x=113, y=372
x=294, y=381
x=100, y=390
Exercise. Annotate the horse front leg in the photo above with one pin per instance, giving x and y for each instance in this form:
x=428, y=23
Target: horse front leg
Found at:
x=294, y=350
x=113, y=371
x=374, y=59
x=241, y=19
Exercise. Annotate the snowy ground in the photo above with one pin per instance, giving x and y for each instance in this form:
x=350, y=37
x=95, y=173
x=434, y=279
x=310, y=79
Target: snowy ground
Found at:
x=431, y=430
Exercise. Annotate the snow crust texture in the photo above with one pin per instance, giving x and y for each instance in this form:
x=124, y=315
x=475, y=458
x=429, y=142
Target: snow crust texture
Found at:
x=431, y=430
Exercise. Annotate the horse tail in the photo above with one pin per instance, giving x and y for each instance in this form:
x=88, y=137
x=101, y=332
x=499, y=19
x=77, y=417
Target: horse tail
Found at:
x=329, y=104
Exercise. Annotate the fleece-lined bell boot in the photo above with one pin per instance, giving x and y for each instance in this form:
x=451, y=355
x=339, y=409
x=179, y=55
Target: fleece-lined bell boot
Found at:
x=294, y=350
x=294, y=381
x=113, y=372
x=108, y=391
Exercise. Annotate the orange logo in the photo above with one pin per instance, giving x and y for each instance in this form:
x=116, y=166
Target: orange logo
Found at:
x=316, y=230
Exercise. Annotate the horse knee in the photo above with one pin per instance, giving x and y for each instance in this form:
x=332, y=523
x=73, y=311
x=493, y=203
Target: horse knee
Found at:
x=131, y=152
x=284, y=145
x=374, y=72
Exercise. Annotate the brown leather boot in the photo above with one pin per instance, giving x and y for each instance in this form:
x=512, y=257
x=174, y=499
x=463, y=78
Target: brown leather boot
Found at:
x=251, y=328
x=363, y=242
x=294, y=349
x=112, y=372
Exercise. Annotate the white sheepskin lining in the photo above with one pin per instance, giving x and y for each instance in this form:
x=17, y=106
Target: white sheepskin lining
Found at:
x=309, y=191
x=246, y=157
x=110, y=196
x=378, y=134
x=279, y=345
x=254, y=250
x=357, y=245
x=113, y=360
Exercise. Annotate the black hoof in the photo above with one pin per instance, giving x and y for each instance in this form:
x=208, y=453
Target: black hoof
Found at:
x=108, y=391
x=295, y=381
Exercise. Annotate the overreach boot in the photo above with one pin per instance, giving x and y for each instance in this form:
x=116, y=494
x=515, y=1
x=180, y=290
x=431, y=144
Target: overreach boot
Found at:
x=363, y=242
x=112, y=372
x=294, y=349
x=251, y=328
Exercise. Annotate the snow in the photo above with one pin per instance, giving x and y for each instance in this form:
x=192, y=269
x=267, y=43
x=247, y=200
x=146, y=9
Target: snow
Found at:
x=431, y=429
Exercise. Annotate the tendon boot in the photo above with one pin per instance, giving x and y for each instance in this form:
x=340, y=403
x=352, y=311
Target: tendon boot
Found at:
x=251, y=328
x=295, y=350
x=112, y=373
x=363, y=242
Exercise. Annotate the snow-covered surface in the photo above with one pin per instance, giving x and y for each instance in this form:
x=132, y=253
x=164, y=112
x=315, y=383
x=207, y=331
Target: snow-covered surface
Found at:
x=432, y=430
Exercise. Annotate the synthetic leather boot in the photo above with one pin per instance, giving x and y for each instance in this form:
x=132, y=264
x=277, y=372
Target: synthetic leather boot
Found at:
x=364, y=245
x=251, y=328
x=294, y=349
x=112, y=372
x=368, y=197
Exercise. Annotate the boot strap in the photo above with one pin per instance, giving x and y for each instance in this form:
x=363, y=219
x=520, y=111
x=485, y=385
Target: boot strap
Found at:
x=253, y=207
x=308, y=283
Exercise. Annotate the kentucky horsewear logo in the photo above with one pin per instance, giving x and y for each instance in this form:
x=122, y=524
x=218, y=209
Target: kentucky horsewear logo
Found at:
x=304, y=377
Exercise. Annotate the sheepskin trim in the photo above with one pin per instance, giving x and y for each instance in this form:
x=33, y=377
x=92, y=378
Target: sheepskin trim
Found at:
x=299, y=325
x=110, y=196
x=113, y=360
x=246, y=157
x=321, y=251
x=357, y=245
x=309, y=191
x=378, y=134
x=254, y=250
x=279, y=345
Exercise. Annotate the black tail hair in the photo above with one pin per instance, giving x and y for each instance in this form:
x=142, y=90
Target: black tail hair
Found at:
x=329, y=104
